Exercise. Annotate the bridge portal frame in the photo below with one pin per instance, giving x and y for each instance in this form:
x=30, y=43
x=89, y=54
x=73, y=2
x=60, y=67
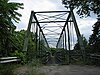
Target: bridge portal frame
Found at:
x=71, y=15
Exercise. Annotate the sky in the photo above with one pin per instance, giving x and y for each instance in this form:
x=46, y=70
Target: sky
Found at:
x=84, y=24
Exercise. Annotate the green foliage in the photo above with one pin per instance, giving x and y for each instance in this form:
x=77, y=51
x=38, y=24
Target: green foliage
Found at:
x=84, y=7
x=8, y=14
x=31, y=52
x=17, y=39
x=8, y=11
x=21, y=55
x=15, y=43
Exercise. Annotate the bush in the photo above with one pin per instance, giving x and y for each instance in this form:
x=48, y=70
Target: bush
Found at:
x=20, y=55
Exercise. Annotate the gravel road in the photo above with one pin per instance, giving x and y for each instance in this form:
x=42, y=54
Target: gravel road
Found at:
x=70, y=70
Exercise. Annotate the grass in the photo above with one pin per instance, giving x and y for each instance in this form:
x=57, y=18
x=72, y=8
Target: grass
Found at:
x=19, y=69
x=7, y=69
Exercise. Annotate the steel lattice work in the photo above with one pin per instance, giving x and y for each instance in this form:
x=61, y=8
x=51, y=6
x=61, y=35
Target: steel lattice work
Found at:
x=56, y=29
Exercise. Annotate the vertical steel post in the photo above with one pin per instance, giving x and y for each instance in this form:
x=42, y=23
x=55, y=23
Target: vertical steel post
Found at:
x=39, y=42
x=63, y=39
x=68, y=44
x=36, y=41
x=65, y=46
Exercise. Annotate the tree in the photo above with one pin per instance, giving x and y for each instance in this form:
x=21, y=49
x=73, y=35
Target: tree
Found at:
x=8, y=14
x=85, y=43
x=84, y=7
x=94, y=40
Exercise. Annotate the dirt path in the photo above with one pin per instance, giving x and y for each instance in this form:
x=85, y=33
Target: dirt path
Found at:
x=63, y=70
x=70, y=70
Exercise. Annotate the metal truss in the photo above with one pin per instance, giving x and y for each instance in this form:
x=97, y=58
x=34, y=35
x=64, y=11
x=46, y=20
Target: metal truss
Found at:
x=48, y=26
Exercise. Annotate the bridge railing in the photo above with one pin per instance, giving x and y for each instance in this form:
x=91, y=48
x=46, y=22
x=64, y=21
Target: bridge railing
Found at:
x=93, y=59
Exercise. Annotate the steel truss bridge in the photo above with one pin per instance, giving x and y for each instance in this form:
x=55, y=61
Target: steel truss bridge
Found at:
x=54, y=29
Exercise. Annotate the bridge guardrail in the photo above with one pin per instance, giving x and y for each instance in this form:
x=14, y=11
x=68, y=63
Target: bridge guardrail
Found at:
x=9, y=59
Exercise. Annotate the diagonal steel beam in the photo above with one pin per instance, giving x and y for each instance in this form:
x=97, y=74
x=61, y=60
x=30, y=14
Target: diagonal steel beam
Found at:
x=39, y=26
x=78, y=36
x=64, y=28
x=27, y=33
